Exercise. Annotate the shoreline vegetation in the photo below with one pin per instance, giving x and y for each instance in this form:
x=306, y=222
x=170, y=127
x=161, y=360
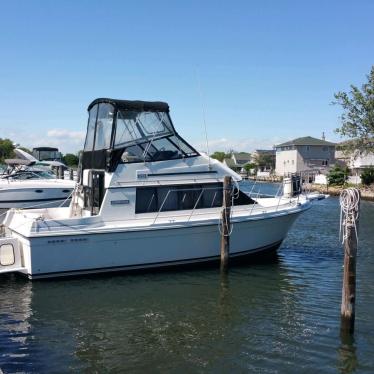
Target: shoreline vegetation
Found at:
x=367, y=193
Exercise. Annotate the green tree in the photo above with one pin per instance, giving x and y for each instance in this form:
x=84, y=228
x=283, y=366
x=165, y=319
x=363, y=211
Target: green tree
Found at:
x=70, y=159
x=367, y=176
x=6, y=149
x=265, y=161
x=249, y=167
x=337, y=175
x=218, y=156
x=358, y=115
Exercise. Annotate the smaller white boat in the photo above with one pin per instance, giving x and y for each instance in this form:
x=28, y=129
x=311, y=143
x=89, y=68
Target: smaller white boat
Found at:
x=317, y=196
x=23, y=186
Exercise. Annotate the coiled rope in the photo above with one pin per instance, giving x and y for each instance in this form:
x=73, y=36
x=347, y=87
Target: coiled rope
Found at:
x=224, y=222
x=349, y=211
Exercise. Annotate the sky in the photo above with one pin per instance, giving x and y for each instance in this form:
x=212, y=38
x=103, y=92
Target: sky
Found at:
x=263, y=72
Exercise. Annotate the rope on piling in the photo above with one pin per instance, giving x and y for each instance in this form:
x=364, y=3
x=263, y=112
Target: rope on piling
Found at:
x=349, y=210
x=221, y=223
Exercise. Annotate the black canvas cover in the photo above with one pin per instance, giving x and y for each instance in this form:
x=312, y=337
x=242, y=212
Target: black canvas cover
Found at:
x=94, y=160
x=137, y=105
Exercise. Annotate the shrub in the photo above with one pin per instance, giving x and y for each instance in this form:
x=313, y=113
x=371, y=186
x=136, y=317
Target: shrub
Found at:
x=337, y=175
x=367, y=176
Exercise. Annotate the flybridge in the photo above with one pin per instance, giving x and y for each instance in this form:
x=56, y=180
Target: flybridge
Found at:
x=124, y=131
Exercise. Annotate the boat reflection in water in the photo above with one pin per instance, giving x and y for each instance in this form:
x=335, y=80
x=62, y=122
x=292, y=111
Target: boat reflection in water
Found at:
x=146, y=321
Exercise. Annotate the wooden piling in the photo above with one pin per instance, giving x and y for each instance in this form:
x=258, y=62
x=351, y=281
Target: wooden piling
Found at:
x=61, y=172
x=226, y=224
x=71, y=174
x=350, y=202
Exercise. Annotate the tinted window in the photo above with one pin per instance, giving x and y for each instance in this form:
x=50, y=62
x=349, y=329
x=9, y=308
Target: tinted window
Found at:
x=185, y=197
x=163, y=149
x=167, y=198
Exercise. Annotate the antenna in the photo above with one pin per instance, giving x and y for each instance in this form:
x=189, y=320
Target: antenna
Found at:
x=204, y=116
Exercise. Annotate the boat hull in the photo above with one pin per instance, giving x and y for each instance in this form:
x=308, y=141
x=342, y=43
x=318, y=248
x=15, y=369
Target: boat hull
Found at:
x=87, y=253
x=24, y=195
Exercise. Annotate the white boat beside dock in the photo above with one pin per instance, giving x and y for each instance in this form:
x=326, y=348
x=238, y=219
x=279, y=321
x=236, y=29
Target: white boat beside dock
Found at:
x=24, y=186
x=145, y=199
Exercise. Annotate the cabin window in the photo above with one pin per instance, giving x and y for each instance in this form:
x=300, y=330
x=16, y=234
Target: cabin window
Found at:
x=104, y=126
x=163, y=149
x=182, y=145
x=91, y=129
x=183, y=197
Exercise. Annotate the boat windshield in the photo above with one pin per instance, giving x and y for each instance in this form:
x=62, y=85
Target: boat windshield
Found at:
x=31, y=174
x=138, y=135
x=149, y=136
x=135, y=127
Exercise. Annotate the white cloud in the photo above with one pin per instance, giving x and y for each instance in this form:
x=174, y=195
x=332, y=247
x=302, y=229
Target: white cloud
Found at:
x=65, y=140
x=63, y=134
x=239, y=145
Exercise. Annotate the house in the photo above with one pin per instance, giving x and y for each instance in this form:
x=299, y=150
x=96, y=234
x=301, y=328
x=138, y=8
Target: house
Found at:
x=304, y=154
x=241, y=158
x=231, y=164
x=238, y=161
x=264, y=159
x=356, y=161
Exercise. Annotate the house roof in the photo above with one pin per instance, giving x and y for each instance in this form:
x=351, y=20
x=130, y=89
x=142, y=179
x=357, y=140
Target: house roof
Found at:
x=242, y=157
x=265, y=151
x=306, y=140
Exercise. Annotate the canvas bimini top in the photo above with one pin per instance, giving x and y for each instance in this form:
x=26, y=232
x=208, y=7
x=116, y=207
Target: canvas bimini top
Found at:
x=138, y=105
x=124, y=131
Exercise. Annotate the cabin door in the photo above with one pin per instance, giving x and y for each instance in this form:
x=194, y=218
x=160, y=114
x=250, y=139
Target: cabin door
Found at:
x=97, y=190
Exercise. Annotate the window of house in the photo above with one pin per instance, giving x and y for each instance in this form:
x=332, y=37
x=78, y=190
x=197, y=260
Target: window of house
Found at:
x=324, y=149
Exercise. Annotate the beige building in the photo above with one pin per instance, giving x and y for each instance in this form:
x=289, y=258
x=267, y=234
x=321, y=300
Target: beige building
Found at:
x=304, y=154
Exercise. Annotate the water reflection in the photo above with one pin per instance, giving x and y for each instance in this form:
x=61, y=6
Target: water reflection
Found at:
x=347, y=354
x=145, y=321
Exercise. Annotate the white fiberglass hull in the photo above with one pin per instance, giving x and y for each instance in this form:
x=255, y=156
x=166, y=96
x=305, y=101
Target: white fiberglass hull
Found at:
x=86, y=253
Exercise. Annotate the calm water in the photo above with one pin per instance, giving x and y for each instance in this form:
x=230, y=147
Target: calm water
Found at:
x=279, y=317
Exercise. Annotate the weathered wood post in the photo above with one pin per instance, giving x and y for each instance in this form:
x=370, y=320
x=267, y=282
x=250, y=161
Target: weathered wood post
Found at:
x=61, y=172
x=350, y=207
x=225, y=222
x=71, y=174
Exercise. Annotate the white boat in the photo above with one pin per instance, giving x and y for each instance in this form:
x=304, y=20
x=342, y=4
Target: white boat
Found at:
x=23, y=186
x=146, y=199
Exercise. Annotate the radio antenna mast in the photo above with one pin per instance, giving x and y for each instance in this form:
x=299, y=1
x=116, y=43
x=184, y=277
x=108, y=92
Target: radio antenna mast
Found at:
x=204, y=115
